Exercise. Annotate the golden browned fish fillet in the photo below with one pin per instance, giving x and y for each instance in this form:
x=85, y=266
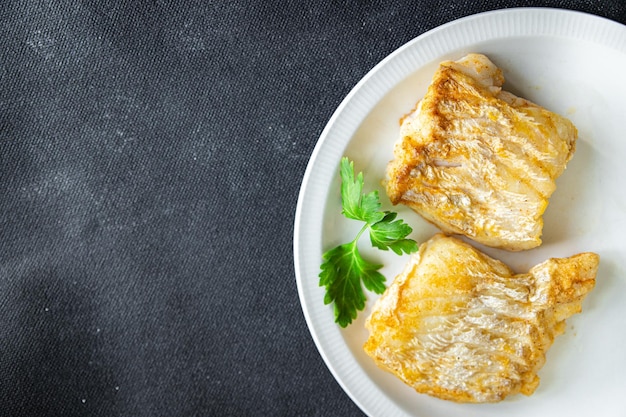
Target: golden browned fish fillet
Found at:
x=479, y=161
x=459, y=325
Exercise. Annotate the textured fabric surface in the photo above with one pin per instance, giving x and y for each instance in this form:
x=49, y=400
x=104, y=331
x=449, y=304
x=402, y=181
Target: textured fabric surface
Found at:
x=151, y=154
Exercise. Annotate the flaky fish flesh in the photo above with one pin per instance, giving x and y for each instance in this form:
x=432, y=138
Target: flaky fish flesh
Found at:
x=479, y=161
x=461, y=326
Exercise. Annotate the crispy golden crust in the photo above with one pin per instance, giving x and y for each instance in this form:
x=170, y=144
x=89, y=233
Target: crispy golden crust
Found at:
x=461, y=326
x=479, y=161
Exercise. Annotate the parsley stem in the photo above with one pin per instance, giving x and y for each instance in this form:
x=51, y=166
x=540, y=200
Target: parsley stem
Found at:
x=358, y=235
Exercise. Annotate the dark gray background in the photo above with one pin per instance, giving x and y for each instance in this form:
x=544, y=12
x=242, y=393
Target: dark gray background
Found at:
x=151, y=154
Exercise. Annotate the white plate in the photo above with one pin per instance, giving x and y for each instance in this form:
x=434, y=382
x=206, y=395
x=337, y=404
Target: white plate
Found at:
x=570, y=62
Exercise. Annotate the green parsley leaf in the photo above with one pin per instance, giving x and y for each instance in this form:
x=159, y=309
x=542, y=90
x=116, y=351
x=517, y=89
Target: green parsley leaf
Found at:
x=389, y=234
x=344, y=271
x=355, y=204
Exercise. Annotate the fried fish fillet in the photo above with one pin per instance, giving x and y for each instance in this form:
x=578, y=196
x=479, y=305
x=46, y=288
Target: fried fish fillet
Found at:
x=461, y=326
x=479, y=161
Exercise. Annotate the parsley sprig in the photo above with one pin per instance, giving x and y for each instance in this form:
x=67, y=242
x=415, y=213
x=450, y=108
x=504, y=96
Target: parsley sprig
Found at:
x=343, y=268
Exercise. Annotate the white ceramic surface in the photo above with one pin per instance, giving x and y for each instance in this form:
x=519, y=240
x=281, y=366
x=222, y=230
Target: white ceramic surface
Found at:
x=569, y=62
